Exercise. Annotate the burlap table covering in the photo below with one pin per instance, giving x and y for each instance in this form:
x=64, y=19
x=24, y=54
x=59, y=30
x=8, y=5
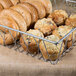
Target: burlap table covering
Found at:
x=13, y=63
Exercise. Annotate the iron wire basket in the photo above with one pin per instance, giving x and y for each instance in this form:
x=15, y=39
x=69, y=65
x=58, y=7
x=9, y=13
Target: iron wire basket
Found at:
x=16, y=45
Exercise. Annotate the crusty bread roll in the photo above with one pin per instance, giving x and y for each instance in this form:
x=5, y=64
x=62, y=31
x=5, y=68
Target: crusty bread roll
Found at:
x=17, y=17
x=52, y=49
x=1, y=7
x=32, y=10
x=6, y=37
x=46, y=26
x=30, y=41
x=47, y=4
x=24, y=12
x=6, y=3
x=71, y=21
x=59, y=16
x=61, y=31
x=40, y=8
x=14, y=2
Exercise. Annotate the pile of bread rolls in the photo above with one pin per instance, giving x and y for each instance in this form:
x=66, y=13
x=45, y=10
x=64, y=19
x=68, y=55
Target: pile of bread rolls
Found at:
x=36, y=17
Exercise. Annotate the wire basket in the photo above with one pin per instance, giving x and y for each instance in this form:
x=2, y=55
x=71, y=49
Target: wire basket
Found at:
x=39, y=55
x=16, y=45
x=71, y=6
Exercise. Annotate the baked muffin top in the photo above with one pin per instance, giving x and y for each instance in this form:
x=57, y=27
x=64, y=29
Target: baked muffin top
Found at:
x=52, y=49
x=59, y=16
x=45, y=25
x=61, y=31
x=33, y=32
x=71, y=21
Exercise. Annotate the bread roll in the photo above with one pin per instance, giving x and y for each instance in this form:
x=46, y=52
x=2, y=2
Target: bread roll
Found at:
x=46, y=26
x=15, y=2
x=6, y=37
x=62, y=31
x=32, y=11
x=24, y=12
x=71, y=21
x=6, y=3
x=30, y=41
x=40, y=8
x=17, y=17
x=59, y=16
x=47, y=4
x=52, y=49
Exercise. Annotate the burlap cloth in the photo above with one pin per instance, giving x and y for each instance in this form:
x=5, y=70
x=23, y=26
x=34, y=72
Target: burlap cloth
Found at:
x=13, y=63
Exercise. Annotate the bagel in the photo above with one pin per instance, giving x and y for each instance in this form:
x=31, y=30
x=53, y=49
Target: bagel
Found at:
x=40, y=8
x=17, y=17
x=6, y=3
x=14, y=2
x=24, y=12
x=32, y=10
x=5, y=36
x=1, y=7
x=47, y=4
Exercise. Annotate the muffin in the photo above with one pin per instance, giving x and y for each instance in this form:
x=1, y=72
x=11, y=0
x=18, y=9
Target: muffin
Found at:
x=71, y=21
x=52, y=49
x=30, y=41
x=61, y=31
x=59, y=16
x=46, y=26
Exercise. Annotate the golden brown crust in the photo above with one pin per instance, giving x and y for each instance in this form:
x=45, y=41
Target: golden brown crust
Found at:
x=69, y=44
x=61, y=31
x=31, y=43
x=24, y=12
x=40, y=8
x=32, y=10
x=46, y=26
x=6, y=3
x=17, y=17
x=52, y=49
x=71, y=21
x=9, y=22
x=15, y=2
x=59, y=16
x=47, y=4
x=1, y=7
